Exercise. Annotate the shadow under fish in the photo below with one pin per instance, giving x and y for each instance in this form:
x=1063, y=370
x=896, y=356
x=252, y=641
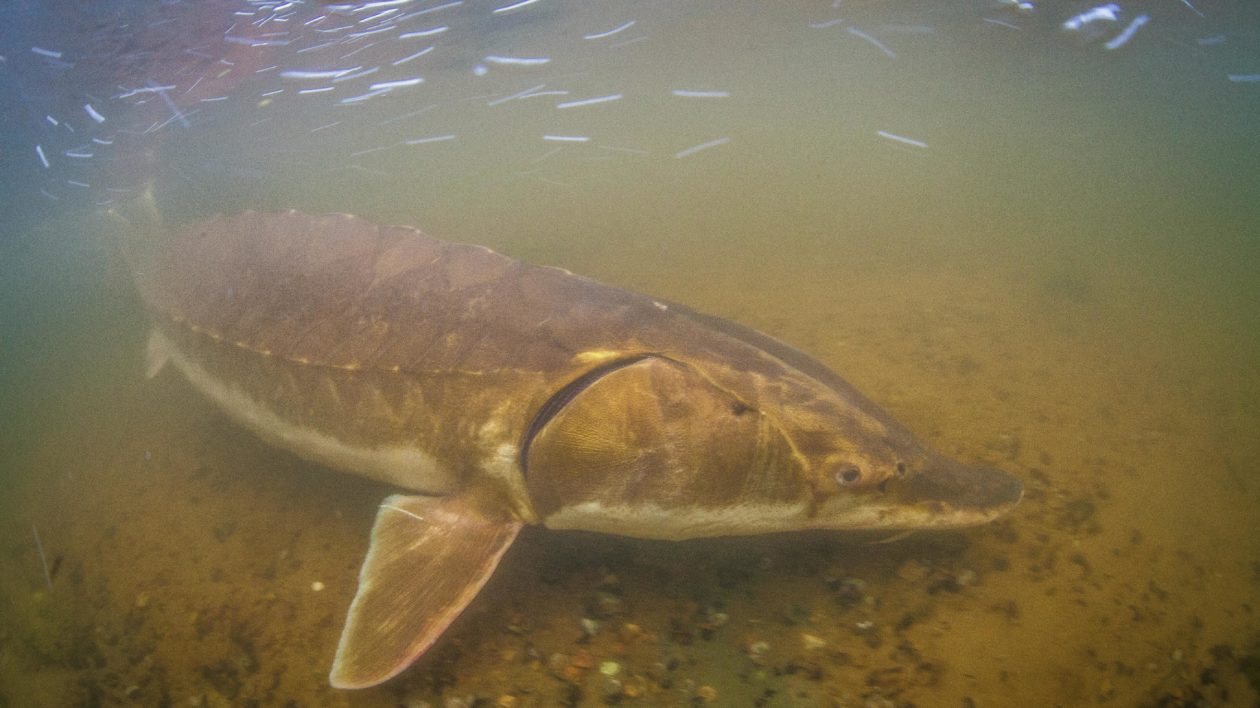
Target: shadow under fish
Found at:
x=501, y=394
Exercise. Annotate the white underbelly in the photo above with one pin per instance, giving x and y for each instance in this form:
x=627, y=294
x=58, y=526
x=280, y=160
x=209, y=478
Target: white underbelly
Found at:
x=402, y=465
x=643, y=520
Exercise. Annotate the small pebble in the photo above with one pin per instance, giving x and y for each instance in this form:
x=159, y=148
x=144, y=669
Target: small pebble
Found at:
x=813, y=642
x=757, y=651
x=850, y=592
x=608, y=605
x=590, y=627
x=912, y=571
x=613, y=690
x=876, y=700
x=610, y=668
x=706, y=693
x=630, y=632
x=317, y=586
x=713, y=620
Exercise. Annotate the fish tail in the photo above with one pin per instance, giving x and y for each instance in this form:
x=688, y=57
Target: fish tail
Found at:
x=135, y=229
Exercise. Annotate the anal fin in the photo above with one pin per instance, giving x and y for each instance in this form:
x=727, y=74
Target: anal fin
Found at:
x=428, y=558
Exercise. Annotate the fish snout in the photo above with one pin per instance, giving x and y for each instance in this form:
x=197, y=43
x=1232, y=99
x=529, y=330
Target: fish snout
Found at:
x=957, y=494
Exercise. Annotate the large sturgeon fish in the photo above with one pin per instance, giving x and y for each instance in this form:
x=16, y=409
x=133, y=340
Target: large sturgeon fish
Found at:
x=502, y=394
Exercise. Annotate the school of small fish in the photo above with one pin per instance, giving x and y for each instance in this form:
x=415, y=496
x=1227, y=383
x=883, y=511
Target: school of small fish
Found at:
x=322, y=62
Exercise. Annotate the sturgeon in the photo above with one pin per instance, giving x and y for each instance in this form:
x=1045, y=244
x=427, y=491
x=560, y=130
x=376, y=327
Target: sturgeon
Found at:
x=500, y=394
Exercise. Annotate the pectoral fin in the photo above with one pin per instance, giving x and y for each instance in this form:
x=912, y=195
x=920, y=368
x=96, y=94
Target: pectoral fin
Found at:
x=428, y=558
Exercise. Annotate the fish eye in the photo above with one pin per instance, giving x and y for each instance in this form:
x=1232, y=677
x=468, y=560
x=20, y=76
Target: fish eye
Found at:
x=901, y=469
x=848, y=475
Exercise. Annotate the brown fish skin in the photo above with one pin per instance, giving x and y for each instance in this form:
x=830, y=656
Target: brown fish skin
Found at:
x=510, y=394
x=381, y=336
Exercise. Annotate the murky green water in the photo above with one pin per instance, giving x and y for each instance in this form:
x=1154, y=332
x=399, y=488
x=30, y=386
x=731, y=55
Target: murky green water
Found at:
x=1036, y=252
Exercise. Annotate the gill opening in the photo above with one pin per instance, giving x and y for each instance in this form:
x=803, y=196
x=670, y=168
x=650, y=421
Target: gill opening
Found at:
x=566, y=394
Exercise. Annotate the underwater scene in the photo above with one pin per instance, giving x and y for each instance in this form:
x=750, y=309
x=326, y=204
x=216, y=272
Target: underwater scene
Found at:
x=257, y=451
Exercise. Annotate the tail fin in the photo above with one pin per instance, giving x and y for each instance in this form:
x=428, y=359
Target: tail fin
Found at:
x=135, y=229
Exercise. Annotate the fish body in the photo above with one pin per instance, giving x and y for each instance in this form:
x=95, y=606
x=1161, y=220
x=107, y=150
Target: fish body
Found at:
x=502, y=394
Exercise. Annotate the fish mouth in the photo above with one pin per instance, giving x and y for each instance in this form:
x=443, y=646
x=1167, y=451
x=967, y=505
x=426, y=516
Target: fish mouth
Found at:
x=941, y=494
